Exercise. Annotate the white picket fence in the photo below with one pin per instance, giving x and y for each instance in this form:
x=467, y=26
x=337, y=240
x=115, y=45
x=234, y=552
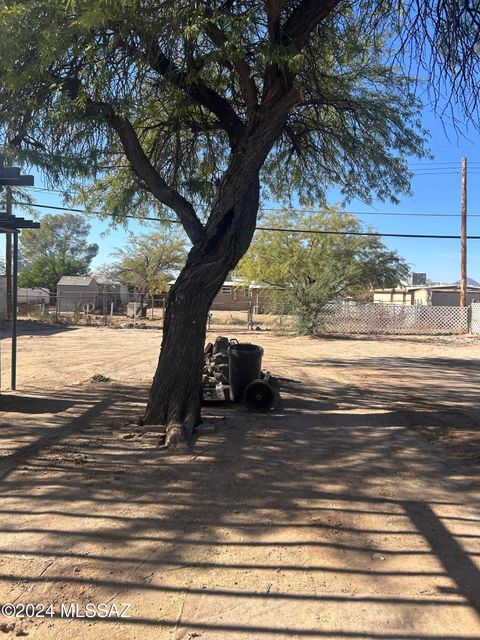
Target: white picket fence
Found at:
x=400, y=319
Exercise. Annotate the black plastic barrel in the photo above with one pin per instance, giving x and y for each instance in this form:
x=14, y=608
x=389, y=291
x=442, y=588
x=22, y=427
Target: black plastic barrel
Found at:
x=245, y=365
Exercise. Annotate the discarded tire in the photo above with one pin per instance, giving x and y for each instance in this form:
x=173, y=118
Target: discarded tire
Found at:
x=245, y=365
x=259, y=396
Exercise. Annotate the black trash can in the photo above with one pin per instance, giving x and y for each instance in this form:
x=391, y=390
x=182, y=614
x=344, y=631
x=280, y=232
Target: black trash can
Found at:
x=245, y=365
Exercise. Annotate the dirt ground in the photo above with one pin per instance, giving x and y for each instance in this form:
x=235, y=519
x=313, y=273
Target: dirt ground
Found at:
x=351, y=511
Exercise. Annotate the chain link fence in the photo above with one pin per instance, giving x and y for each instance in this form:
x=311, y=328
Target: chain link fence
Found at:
x=238, y=315
x=114, y=308
x=107, y=307
x=394, y=319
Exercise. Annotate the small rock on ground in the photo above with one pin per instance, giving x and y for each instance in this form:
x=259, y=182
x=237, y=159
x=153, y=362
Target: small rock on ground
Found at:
x=98, y=377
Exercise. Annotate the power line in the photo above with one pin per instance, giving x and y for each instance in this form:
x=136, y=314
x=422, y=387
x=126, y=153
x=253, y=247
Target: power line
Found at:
x=435, y=163
x=381, y=213
x=426, y=171
x=271, y=209
x=358, y=233
x=442, y=173
x=290, y=230
x=73, y=210
x=447, y=171
x=49, y=190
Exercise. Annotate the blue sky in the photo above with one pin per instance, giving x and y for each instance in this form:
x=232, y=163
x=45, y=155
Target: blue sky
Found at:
x=435, y=189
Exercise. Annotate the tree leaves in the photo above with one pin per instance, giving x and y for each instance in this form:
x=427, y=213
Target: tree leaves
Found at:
x=148, y=262
x=306, y=271
x=219, y=64
x=59, y=248
x=345, y=133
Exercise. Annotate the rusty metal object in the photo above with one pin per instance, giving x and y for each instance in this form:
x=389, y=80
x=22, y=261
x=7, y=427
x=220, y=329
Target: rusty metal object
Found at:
x=259, y=396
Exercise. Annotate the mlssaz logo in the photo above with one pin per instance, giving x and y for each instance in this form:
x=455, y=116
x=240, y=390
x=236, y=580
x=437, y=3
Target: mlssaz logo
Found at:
x=92, y=610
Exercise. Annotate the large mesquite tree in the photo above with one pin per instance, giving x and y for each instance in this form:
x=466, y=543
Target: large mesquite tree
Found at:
x=199, y=108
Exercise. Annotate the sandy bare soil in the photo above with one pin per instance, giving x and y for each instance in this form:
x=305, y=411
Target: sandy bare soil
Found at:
x=351, y=511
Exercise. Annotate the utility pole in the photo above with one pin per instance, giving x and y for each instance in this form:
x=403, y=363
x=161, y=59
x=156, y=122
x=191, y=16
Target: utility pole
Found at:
x=463, y=256
x=13, y=383
x=8, y=251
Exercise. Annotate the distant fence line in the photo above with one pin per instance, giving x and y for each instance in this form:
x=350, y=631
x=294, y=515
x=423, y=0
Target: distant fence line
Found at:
x=91, y=303
x=98, y=301
x=108, y=305
x=36, y=297
x=337, y=318
x=390, y=319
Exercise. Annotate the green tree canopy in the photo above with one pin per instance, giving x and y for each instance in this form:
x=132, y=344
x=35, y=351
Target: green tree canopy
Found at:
x=46, y=271
x=307, y=270
x=59, y=248
x=148, y=261
x=172, y=86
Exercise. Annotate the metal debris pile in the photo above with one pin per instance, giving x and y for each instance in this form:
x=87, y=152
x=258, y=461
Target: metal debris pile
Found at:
x=98, y=377
x=226, y=376
x=257, y=391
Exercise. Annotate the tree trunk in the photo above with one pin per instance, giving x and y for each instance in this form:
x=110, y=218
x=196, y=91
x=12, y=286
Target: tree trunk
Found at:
x=175, y=396
x=139, y=309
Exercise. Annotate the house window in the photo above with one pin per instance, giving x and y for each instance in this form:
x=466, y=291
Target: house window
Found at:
x=227, y=291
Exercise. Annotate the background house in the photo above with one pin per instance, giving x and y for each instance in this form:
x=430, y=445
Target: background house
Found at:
x=237, y=295
x=436, y=295
x=233, y=296
x=76, y=292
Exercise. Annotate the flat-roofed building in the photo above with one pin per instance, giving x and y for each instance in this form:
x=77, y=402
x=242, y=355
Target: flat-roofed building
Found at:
x=77, y=292
x=436, y=295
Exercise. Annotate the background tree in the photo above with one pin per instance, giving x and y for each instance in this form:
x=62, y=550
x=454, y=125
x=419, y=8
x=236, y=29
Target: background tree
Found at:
x=59, y=248
x=195, y=107
x=148, y=262
x=306, y=271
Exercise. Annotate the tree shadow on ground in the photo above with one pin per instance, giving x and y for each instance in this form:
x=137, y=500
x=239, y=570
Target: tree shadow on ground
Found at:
x=34, y=328
x=324, y=519
x=36, y=404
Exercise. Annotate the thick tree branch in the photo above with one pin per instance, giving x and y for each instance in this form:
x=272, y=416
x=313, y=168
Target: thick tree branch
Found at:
x=197, y=90
x=247, y=83
x=294, y=33
x=274, y=10
x=303, y=20
x=140, y=162
x=248, y=158
x=177, y=122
